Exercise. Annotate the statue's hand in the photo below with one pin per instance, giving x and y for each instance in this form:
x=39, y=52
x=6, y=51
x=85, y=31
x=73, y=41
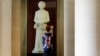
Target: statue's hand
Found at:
x=35, y=25
x=43, y=26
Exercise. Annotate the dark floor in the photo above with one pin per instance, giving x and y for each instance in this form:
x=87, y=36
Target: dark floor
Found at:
x=31, y=54
x=34, y=54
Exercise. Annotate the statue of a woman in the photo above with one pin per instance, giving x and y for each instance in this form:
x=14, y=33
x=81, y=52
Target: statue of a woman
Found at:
x=41, y=19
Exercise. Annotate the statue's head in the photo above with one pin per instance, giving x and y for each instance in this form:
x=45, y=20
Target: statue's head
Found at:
x=41, y=4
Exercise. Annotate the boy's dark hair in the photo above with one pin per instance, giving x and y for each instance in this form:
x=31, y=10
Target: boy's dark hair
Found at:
x=48, y=28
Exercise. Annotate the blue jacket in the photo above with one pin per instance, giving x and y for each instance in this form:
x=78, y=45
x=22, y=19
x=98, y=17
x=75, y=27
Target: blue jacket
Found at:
x=46, y=40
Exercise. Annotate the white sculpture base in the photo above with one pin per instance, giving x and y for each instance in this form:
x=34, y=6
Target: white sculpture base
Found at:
x=37, y=51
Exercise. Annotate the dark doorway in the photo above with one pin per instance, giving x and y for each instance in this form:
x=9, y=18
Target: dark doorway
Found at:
x=32, y=6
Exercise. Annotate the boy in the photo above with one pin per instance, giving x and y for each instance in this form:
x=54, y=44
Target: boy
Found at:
x=46, y=39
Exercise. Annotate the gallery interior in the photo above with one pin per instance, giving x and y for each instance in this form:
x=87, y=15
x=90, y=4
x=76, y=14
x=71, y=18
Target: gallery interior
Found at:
x=77, y=27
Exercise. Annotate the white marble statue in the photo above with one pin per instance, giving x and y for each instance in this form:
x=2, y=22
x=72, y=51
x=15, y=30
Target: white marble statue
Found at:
x=41, y=18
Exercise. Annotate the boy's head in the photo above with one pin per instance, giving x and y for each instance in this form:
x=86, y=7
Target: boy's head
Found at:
x=48, y=28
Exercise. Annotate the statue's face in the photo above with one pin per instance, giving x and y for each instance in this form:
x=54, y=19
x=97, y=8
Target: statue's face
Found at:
x=41, y=5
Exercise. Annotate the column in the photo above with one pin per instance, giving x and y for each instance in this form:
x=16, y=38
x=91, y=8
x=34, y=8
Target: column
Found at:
x=85, y=27
x=5, y=20
x=69, y=27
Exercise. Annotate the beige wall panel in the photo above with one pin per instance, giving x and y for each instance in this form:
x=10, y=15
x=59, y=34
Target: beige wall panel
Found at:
x=69, y=19
x=16, y=35
x=0, y=26
x=5, y=25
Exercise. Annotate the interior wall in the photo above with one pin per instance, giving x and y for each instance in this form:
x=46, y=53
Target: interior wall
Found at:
x=5, y=27
x=69, y=26
x=23, y=28
x=16, y=28
x=98, y=27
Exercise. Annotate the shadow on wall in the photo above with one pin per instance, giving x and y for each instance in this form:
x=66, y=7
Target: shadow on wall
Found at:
x=23, y=27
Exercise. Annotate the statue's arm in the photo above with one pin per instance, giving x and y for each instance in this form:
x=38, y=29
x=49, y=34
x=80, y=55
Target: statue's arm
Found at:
x=35, y=18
